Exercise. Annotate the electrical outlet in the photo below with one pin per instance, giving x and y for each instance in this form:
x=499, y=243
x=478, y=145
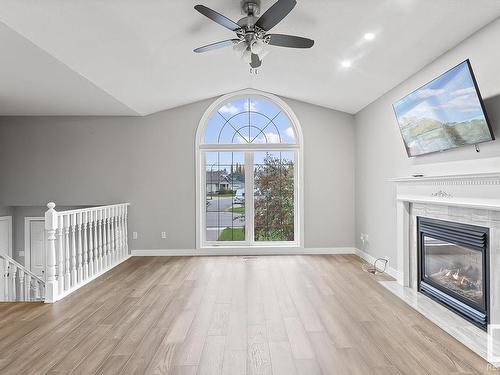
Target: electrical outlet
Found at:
x=163, y=235
x=135, y=235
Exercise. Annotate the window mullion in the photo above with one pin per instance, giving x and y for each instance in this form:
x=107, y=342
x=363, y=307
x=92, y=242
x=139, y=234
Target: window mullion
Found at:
x=249, y=198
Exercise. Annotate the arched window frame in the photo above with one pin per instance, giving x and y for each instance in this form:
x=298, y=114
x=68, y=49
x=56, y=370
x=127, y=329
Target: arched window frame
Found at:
x=297, y=147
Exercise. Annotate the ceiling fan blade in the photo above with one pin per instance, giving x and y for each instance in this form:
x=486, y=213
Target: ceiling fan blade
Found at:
x=216, y=45
x=217, y=17
x=275, y=14
x=256, y=62
x=290, y=41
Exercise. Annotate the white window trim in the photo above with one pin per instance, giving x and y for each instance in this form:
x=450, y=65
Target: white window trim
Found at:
x=298, y=170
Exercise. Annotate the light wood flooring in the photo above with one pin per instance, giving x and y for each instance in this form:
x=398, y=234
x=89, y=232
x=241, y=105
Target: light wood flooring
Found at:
x=280, y=315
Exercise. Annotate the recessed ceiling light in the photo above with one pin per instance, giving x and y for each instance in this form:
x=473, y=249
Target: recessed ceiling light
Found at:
x=369, y=36
x=346, y=63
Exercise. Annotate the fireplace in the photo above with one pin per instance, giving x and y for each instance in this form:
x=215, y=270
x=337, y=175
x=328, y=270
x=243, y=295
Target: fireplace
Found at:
x=453, y=267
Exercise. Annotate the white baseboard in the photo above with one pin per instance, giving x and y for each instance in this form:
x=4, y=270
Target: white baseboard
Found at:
x=370, y=259
x=244, y=251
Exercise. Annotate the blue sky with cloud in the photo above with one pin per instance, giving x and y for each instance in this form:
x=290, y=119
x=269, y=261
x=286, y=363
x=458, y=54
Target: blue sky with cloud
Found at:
x=449, y=98
x=229, y=125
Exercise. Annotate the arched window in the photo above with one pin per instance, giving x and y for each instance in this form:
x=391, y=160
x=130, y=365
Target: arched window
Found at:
x=248, y=171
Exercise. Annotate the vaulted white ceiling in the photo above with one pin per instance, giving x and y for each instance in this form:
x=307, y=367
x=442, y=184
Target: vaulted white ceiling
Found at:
x=134, y=57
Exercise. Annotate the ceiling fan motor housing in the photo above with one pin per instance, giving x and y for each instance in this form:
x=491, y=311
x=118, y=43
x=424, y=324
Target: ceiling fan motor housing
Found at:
x=250, y=7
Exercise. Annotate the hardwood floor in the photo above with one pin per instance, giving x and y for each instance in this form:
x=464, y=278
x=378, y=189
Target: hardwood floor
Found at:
x=279, y=315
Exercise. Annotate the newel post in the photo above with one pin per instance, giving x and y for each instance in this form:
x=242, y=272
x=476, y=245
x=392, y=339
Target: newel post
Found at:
x=51, y=288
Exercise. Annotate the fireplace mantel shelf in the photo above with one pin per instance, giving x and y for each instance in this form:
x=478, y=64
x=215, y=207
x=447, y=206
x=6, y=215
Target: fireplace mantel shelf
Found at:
x=491, y=178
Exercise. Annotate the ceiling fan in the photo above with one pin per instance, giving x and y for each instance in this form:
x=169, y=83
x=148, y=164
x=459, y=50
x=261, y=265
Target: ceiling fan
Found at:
x=252, y=36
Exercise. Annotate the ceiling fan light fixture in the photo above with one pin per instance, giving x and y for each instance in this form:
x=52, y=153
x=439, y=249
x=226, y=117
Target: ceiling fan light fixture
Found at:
x=239, y=48
x=263, y=54
x=257, y=46
x=247, y=55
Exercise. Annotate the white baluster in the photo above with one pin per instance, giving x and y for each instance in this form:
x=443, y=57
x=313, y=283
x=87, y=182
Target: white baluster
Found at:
x=110, y=247
x=36, y=291
x=99, y=238
x=60, y=255
x=79, y=260
x=85, y=248
x=113, y=235
x=5, y=277
x=96, y=243
x=125, y=229
x=118, y=233
x=41, y=291
x=13, y=284
x=21, y=287
x=27, y=287
x=67, y=274
x=73, y=250
x=50, y=227
x=90, y=217
x=104, y=239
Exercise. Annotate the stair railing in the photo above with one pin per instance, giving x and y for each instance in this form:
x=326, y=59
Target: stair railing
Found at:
x=18, y=283
x=82, y=245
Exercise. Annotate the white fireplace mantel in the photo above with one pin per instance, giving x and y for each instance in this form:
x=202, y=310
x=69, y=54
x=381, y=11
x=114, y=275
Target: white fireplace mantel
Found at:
x=469, y=198
x=479, y=191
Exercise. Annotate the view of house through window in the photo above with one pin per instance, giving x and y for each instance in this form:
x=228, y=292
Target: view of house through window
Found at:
x=249, y=155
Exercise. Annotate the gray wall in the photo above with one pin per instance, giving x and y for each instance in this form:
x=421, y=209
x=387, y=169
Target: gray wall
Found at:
x=380, y=153
x=328, y=175
x=149, y=162
x=5, y=211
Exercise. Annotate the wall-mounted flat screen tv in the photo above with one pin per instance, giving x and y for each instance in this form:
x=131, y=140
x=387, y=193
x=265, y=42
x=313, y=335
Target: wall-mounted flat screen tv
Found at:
x=446, y=113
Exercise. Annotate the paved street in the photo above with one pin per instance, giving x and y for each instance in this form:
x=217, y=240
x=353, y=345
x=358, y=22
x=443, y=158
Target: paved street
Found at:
x=218, y=219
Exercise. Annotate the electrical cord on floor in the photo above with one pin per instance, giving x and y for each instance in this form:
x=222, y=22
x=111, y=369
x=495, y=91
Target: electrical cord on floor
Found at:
x=376, y=268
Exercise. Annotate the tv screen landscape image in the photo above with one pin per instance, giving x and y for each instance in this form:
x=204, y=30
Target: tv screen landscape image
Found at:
x=446, y=113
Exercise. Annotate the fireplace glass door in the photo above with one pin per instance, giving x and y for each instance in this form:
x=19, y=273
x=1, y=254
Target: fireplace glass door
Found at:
x=455, y=269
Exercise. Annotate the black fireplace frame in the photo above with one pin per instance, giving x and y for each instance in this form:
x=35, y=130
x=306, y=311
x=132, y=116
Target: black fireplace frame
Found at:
x=471, y=237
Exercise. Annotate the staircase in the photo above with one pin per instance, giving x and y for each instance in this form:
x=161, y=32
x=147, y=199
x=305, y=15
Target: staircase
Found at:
x=81, y=245
x=18, y=283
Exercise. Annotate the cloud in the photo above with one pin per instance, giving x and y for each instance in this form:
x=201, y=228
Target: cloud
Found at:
x=290, y=132
x=423, y=109
x=242, y=139
x=229, y=109
x=427, y=93
x=250, y=106
x=273, y=138
x=466, y=91
x=268, y=137
x=462, y=103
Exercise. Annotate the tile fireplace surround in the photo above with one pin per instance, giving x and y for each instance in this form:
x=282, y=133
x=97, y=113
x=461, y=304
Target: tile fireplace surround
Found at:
x=469, y=199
